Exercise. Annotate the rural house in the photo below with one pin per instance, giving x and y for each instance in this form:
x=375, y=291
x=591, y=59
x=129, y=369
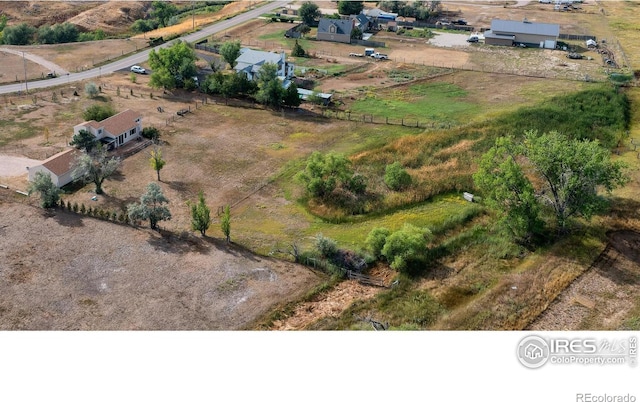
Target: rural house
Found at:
x=533, y=34
x=59, y=166
x=361, y=22
x=116, y=130
x=335, y=30
x=250, y=61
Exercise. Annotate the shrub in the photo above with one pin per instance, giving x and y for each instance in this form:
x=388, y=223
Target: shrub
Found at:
x=325, y=246
x=69, y=206
x=151, y=133
x=396, y=177
x=91, y=90
x=376, y=239
x=406, y=248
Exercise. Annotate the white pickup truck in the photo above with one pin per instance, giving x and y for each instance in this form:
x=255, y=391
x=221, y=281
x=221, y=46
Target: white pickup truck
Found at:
x=380, y=56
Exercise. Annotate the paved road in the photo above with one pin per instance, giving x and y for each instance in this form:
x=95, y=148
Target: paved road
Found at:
x=141, y=57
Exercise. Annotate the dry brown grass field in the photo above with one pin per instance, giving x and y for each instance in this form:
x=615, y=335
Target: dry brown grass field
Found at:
x=236, y=154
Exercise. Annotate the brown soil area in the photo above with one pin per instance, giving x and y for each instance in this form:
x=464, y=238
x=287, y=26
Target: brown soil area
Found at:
x=13, y=69
x=94, y=275
x=601, y=297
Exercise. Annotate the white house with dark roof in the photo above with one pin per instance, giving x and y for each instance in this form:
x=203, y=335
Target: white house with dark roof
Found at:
x=59, y=166
x=116, y=130
x=532, y=34
x=334, y=30
x=251, y=61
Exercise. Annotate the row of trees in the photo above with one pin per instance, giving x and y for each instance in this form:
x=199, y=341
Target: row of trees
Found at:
x=310, y=12
x=152, y=206
x=24, y=34
x=421, y=10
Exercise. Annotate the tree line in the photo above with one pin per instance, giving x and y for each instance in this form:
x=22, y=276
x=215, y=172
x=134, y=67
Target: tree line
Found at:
x=24, y=34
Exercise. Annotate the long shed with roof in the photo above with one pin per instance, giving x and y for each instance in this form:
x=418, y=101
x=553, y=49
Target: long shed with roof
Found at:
x=532, y=34
x=60, y=167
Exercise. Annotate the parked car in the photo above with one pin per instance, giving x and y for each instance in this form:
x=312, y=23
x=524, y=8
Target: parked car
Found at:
x=138, y=70
x=51, y=74
x=473, y=39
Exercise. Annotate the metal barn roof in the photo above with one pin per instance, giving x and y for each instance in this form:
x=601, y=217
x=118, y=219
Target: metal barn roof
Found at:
x=524, y=27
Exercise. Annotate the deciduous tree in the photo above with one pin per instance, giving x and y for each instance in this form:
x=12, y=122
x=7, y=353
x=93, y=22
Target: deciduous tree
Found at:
x=95, y=167
x=350, y=7
x=49, y=192
x=156, y=161
x=200, y=215
x=225, y=223
x=151, y=207
x=309, y=12
x=172, y=66
x=84, y=140
x=230, y=51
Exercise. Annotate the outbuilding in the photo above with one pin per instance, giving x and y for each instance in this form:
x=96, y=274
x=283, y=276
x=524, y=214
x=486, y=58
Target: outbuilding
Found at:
x=525, y=33
x=60, y=167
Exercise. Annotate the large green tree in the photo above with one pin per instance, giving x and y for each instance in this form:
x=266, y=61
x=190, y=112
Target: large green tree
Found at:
x=571, y=172
x=95, y=167
x=230, y=51
x=172, y=66
x=84, y=140
x=566, y=175
x=291, y=97
x=151, y=207
x=350, y=7
x=506, y=189
x=21, y=34
x=49, y=192
x=270, y=90
x=162, y=11
x=309, y=12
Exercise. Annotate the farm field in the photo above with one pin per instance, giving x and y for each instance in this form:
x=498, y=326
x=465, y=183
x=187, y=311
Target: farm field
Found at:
x=247, y=157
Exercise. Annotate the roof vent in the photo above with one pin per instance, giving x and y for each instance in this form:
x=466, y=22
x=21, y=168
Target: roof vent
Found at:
x=526, y=21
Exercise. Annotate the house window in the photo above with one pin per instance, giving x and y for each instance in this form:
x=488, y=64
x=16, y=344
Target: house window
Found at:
x=332, y=29
x=132, y=132
x=120, y=139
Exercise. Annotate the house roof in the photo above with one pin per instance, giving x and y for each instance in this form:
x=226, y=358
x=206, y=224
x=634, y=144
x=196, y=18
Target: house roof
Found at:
x=343, y=27
x=62, y=162
x=361, y=18
x=377, y=13
x=252, y=60
x=492, y=35
x=120, y=122
x=525, y=27
x=116, y=124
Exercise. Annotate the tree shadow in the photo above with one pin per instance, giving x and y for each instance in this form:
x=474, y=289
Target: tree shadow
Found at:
x=186, y=242
x=63, y=218
x=117, y=176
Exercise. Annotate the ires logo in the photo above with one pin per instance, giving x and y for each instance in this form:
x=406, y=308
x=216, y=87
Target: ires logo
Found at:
x=575, y=346
x=534, y=351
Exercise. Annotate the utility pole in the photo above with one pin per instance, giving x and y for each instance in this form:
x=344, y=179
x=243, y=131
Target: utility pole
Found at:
x=24, y=62
x=193, y=14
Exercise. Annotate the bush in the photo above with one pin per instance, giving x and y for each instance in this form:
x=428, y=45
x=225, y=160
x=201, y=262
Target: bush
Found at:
x=150, y=133
x=325, y=246
x=91, y=90
x=98, y=112
x=406, y=248
x=396, y=177
x=376, y=239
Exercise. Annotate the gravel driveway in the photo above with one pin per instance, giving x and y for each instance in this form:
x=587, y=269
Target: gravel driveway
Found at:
x=449, y=39
x=11, y=166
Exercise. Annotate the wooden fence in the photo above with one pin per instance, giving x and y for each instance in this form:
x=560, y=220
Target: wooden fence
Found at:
x=365, y=279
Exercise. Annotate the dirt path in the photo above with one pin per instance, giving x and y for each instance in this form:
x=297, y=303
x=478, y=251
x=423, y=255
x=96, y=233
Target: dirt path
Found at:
x=36, y=59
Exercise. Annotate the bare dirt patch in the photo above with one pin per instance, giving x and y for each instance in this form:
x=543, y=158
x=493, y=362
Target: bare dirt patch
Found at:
x=601, y=297
x=130, y=279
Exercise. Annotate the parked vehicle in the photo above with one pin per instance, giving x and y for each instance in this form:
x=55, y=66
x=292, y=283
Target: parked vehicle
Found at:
x=369, y=51
x=473, y=39
x=380, y=56
x=356, y=54
x=138, y=70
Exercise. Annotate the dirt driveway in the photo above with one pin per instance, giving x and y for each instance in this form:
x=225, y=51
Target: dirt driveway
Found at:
x=130, y=279
x=11, y=166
